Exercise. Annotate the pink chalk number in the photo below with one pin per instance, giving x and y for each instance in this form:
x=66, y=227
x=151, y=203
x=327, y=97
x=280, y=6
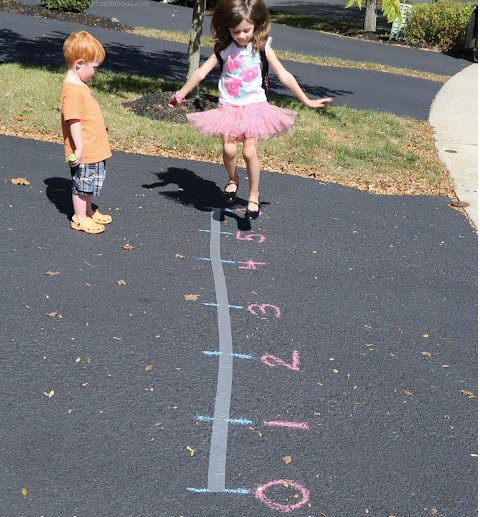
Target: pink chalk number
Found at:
x=263, y=307
x=260, y=495
x=272, y=361
x=251, y=237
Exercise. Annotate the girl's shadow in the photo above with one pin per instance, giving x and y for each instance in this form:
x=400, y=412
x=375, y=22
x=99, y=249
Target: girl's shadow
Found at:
x=192, y=190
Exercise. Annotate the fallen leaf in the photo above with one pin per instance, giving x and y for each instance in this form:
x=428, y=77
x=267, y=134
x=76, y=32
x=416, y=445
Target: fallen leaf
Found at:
x=287, y=460
x=49, y=394
x=19, y=181
x=121, y=282
x=52, y=273
x=54, y=314
x=78, y=359
x=468, y=394
x=127, y=246
x=191, y=450
x=191, y=297
x=426, y=354
x=177, y=255
x=148, y=367
x=24, y=491
x=408, y=393
x=425, y=334
x=458, y=204
x=159, y=425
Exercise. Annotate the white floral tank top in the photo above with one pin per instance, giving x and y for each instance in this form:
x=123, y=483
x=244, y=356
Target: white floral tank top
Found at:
x=241, y=79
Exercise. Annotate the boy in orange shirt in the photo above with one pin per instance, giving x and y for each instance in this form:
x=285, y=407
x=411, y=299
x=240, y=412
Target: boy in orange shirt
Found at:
x=84, y=131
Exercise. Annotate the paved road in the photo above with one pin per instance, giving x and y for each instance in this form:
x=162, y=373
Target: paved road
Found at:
x=353, y=316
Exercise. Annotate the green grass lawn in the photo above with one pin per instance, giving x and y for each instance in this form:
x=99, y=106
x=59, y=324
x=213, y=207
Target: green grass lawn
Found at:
x=368, y=150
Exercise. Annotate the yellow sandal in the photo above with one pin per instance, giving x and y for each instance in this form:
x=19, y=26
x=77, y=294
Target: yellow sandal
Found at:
x=98, y=217
x=87, y=225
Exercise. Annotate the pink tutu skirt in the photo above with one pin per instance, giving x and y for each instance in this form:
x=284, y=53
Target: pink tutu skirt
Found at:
x=260, y=120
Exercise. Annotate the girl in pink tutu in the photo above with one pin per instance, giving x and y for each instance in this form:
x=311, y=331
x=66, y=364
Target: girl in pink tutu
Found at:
x=240, y=29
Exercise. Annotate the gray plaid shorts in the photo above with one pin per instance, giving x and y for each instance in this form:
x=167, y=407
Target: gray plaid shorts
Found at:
x=88, y=178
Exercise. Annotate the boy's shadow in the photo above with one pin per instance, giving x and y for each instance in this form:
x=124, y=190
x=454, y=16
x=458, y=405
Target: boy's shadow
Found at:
x=195, y=191
x=59, y=193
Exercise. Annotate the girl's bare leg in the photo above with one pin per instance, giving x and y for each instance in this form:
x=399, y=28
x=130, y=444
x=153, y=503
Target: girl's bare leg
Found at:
x=253, y=173
x=230, y=162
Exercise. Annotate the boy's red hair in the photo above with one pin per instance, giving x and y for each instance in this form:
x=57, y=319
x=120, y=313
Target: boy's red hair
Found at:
x=82, y=45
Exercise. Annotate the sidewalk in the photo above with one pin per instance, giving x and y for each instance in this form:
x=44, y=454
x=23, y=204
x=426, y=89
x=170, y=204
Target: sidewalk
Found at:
x=454, y=119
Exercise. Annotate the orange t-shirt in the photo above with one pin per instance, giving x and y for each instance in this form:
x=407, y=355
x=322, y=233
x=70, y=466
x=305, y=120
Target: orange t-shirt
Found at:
x=79, y=103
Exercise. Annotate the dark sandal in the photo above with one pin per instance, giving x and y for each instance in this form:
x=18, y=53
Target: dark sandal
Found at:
x=251, y=215
x=229, y=197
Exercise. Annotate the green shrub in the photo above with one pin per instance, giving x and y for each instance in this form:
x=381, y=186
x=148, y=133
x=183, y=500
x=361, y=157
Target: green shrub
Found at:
x=441, y=24
x=73, y=6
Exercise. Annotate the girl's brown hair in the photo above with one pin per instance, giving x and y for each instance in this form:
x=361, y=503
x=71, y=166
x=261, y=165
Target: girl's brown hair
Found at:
x=230, y=13
x=82, y=45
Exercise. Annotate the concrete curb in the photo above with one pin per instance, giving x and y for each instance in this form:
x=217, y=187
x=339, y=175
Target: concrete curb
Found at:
x=454, y=119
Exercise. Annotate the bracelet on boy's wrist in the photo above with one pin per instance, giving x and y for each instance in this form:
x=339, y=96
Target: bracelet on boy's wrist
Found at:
x=179, y=99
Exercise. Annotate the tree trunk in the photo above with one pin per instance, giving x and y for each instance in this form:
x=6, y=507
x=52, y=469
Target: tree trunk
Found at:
x=370, y=24
x=195, y=35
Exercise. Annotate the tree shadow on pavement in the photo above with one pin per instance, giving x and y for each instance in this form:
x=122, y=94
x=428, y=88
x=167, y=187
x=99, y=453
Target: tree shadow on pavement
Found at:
x=127, y=57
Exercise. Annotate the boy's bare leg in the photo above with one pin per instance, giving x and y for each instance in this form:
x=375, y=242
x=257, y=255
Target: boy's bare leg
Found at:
x=80, y=206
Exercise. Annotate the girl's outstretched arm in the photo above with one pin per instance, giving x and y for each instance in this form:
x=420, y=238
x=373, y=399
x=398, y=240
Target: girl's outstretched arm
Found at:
x=287, y=79
x=193, y=81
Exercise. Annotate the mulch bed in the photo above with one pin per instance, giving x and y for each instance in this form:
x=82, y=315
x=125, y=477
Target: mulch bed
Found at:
x=11, y=6
x=155, y=106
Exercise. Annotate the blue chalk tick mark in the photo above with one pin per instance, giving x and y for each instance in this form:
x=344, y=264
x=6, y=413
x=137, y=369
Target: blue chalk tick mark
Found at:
x=238, y=356
x=244, y=491
x=233, y=421
x=241, y=491
x=230, y=306
x=223, y=233
x=223, y=261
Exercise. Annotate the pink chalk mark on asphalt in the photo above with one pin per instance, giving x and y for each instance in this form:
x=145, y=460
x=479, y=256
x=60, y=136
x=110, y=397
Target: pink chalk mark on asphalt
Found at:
x=250, y=264
x=263, y=308
x=260, y=495
x=251, y=237
x=281, y=423
x=272, y=361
